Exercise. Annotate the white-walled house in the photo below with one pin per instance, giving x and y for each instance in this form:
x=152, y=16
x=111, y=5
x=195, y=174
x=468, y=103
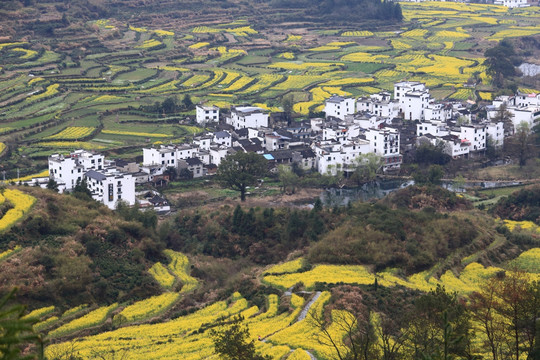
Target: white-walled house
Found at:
x=474, y=134
x=338, y=106
x=413, y=104
x=207, y=114
x=248, y=117
x=437, y=129
x=495, y=133
x=437, y=112
x=165, y=156
x=512, y=3
x=203, y=142
x=222, y=138
x=455, y=147
x=385, y=142
x=218, y=153
x=333, y=157
x=69, y=170
x=366, y=120
x=337, y=133
x=529, y=114
x=110, y=186
x=527, y=99
x=403, y=87
x=451, y=144
x=168, y=155
x=379, y=104
x=413, y=97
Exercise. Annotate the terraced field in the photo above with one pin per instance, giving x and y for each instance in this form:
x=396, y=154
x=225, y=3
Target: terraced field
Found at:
x=110, y=90
x=284, y=334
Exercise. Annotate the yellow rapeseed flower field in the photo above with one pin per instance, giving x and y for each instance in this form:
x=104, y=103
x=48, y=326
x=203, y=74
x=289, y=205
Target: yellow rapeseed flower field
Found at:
x=91, y=319
x=365, y=33
x=22, y=203
x=147, y=308
x=162, y=275
x=134, y=133
x=239, y=83
x=71, y=145
x=179, y=266
x=304, y=65
x=27, y=53
x=148, y=44
x=198, y=45
x=50, y=91
x=39, y=313
x=4, y=255
x=44, y=173
x=4, y=45
x=73, y=132
x=298, y=81
x=286, y=267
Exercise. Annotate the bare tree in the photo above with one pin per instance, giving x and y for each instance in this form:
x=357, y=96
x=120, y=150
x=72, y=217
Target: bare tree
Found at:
x=351, y=320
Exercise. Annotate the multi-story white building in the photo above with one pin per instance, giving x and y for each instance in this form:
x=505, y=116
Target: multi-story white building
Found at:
x=168, y=155
x=495, y=133
x=526, y=99
x=528, y=114
x=434, y=128
x=222, y=138
x=218, y=153
x=206, y=114
x=338, y=106
x=403, y=87
x=333, y=157
x=437, y=112
x=110, y=186
x=385, y=142
x=69, y=170
x=248, y=117
x=379, y=104
x=413, y=97
x=337, y=133
x=474, y=134
x=164, y=155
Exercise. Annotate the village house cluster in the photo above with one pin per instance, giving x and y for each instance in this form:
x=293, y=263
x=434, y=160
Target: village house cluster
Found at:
x=381, y=124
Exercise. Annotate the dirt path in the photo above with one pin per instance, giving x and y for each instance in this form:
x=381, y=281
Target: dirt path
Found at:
x=308, y=306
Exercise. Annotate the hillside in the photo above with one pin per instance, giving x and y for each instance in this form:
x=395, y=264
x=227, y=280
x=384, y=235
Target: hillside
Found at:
x=375, y=257
x=77, y=251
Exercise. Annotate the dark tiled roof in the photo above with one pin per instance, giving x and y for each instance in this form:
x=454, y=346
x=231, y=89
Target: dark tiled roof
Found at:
x=193, y=161
x=95, y=175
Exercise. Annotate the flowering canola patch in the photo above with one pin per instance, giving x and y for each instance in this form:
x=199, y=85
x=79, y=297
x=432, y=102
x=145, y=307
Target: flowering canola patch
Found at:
x=22, y=203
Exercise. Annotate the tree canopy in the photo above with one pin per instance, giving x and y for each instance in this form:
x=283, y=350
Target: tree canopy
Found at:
x=501, y=61
x=232, y=343
x=241, y=170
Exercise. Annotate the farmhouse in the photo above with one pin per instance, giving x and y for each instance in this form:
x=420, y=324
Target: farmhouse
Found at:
x=110, y=186
x=69, y=170
x=338, y=107
x=248, y=117
x=512, y=3
x=207, y=114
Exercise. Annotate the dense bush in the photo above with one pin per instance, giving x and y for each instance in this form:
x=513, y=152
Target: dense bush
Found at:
x=521, y=205
x=263, y=235
x=384, y=237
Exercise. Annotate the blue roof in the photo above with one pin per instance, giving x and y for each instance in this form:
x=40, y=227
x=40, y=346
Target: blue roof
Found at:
x=268, y=157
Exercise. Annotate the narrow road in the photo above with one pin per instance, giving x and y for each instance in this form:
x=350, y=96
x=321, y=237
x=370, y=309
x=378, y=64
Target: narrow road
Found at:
x=304, y=312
